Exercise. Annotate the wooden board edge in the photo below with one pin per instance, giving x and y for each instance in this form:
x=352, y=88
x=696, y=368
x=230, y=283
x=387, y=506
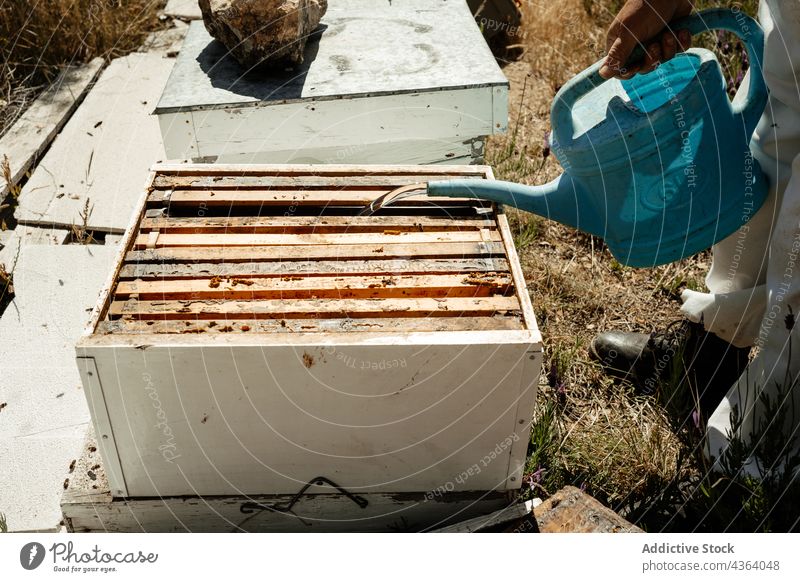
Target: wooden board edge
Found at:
x=321, y=512
x=93, y=69
x=104, y=299
x=101, y=420
x=571, y=510
x=517, y=510
x=310, y=340
x=89, y=506
x=516, y=272
x=317, y=169
x=531, y=370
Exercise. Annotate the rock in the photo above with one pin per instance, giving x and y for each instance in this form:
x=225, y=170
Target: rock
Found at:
x=263, y=32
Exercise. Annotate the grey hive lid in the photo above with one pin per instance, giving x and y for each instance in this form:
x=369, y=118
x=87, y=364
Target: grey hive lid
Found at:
x=362, y=47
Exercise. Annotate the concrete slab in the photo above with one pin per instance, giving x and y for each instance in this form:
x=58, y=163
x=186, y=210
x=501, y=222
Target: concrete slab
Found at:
x=45, y=417
x=104, y=152
x=183, y=9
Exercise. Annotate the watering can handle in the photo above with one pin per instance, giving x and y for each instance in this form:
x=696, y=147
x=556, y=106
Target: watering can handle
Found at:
x=735, y=21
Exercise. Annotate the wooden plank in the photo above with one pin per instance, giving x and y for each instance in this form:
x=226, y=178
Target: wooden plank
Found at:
x=172, y=169
x=305, y=326
x=315, y=224
x=5, y=237
x=315, y=512
x=314, y=308
x=88, y=505
x=33, y=132
x=299, y=197
x=104, y=153
x=244, y=180
x=23, y=235
x=282, y=269
x=158, y=240
x=571, y=510
x=40, y=430
x=421, y=143
x=295, y=252
x=265, y=196
x=183, y=9
x=166, y=41
x=294, y=287
x=101, y=307
x=516, y=270
x=515, y=511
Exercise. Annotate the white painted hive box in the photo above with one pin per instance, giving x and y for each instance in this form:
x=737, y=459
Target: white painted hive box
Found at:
x=404, y=82
x=258, y=333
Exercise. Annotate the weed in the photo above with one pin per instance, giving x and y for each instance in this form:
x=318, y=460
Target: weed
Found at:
x=543, y=476
x=6, y=287
x=9, y=203
x=13, y=188
x=616, y=267
x=732, y=499
x=80, y=233
x=3, y=523
x=677, y=284
x=527, y=233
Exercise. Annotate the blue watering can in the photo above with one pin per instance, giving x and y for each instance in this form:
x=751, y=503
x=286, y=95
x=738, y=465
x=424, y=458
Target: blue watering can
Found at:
x=658, y=165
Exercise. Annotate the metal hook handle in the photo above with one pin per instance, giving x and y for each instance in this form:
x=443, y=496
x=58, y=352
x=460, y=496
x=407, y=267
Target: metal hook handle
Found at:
x=253, y=506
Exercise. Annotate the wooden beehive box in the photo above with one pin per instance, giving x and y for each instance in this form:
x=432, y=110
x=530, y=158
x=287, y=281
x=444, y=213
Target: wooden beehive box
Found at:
x=406, y=82
x=257, y=333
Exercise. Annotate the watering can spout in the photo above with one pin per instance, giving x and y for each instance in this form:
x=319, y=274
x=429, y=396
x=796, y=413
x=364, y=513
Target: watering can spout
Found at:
x=560, y=200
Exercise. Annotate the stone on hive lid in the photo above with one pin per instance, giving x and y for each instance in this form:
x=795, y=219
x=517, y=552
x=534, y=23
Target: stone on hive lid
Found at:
x=263, y=32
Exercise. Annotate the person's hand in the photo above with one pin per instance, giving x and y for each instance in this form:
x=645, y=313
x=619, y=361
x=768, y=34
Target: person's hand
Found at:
x=640, y=21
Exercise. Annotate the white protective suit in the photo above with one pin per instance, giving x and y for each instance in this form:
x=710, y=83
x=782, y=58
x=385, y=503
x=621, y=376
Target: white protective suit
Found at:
x=754, y=280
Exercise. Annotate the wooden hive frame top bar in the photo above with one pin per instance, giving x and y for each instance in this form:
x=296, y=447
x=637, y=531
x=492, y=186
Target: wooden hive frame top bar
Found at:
x=217, y=249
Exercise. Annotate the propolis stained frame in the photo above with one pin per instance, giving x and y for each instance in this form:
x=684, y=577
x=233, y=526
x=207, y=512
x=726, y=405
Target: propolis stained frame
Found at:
x=314, y=261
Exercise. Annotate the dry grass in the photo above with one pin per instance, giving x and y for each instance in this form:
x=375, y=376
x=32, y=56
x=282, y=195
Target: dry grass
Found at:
x=40, y=36
x=15, y=98
x=7, y=206
x=6, y=287
x=590, y=431
x=80, y=233
x=561, y=38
